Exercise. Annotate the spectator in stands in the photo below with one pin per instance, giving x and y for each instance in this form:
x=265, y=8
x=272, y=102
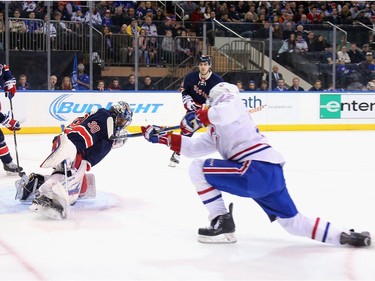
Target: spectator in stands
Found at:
x=28, y=6
x=277, y=32
x=63, y=32
x=275, y=76
x=119, y=18
x=321, y=44
x=310, y=41
x=280, y=87
x=141, y=11
x=288, y=30
x=328, y=56
x=365, y=50
x=251, y=86
x=354, y=54
x=288, y=45
x=100, y=86
x=233, y=14
x=370, y=87
x=314, y=15
x=301, y=45
x=132, y=29
x=149, y=8
x=296, y=87
x=212, y=29
x=148, y=85
x=62, y=9
x=334, y=18
x=343, y=54
x=78, y=16
x=17, y=30
x=263, y=86
x=264, y=31
x=367, y=68
x=42, y=31
x=66, y=84
x=159, y=17
x=83, y=79
x=304, y=22
x=143, y=57
x=107, y=18
x=114, y=85
x=53, y=83
x=183, y=46
x=109, y=45
x=22, y=84
x=130, y=84
x=239, y=85
x=167, y=25
x=188, y=7
x=168, y=48
x=344, y=74
x=96, y=18
x=149, y=27
x=32, y=36
x=317, y=86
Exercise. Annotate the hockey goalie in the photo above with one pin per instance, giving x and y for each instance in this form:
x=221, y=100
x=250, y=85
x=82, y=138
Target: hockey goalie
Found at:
x=82, y=145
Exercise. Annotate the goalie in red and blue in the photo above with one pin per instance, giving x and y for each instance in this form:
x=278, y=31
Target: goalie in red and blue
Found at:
x=194, y=90
x=250, y=167
x=9, y=85
x=82, y=145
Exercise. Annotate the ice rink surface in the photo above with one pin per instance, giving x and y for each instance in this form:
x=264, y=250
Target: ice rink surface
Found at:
x=143, y=224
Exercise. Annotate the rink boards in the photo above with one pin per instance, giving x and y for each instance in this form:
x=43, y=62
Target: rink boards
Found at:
x=44, y=112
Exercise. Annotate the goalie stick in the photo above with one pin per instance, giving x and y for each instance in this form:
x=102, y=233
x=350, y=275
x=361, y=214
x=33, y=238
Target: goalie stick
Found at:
x=171, y=128
x=165, y=129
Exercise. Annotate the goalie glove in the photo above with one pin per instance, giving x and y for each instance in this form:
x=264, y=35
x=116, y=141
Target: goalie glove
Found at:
x=154, y=134
x=10, y=88
x=10, y=123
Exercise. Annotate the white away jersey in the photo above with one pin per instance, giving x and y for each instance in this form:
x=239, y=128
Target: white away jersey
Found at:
x=233, y=134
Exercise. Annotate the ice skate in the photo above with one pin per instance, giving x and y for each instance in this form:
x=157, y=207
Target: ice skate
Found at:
x=175, y=159
x=355, y=238
x=45, y=207
x=12, y=169
x=27, y=186
x=221, y=230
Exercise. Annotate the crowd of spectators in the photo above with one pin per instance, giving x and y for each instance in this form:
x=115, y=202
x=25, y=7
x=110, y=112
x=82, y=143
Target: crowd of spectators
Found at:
x=165, y=38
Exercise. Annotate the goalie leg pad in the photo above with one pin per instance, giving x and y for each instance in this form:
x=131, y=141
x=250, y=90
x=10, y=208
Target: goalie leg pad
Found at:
x=88, y=189
x=63, y=149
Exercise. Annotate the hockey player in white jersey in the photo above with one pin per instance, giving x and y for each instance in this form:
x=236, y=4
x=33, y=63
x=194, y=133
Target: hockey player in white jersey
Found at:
x=250, y=168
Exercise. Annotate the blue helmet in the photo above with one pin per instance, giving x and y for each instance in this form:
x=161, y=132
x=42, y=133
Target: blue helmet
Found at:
x=122, y=114
x=204, y=58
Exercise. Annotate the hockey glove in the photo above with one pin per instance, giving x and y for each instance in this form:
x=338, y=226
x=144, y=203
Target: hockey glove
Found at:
x=154, y=134
x=189, y=124
x=10, y=123
x=10, y=88
x=202, y=115
x=189, y=103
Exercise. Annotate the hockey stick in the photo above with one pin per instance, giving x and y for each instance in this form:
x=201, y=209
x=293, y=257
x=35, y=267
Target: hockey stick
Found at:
x=65, y=164
x=21, y=174
x=165, y=129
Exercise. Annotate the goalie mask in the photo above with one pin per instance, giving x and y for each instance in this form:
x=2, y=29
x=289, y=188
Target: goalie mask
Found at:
x=122, y=115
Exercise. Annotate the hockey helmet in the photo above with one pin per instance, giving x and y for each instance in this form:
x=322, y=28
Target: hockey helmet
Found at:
x=204, y=58
x=220, y=89
x=122, y=114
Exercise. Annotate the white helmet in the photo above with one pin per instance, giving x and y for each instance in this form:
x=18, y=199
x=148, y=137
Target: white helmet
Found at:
x=222, y=88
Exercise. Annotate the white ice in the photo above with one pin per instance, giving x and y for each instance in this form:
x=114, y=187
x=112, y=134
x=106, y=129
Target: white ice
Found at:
x=143, y=224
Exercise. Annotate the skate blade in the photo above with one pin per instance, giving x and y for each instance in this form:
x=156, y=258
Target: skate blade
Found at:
x=12, y=174
x=172, y=164
x=46, y=212
x=227, y=238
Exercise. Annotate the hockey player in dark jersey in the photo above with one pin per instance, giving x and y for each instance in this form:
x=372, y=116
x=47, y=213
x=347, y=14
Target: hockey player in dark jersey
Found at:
x=9, y=85
x=194, y=90
x=84, y=143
